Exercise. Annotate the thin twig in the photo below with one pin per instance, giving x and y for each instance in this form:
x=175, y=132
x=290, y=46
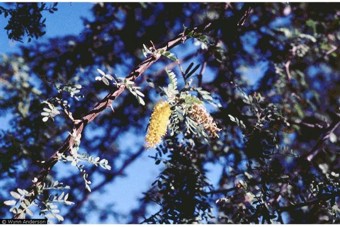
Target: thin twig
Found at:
x=287, y=65
x=334, y=48
x=316, y=149
x=308, y=203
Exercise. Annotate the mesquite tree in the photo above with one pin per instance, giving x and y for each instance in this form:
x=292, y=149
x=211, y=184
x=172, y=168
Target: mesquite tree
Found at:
x=249, y=91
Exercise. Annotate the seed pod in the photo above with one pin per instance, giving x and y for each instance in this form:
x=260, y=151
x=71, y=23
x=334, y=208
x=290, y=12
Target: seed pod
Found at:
x=158, y=124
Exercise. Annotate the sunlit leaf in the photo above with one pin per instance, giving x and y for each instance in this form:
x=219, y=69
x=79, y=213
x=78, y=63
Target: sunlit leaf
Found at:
x=10, y=202
x=15, y=195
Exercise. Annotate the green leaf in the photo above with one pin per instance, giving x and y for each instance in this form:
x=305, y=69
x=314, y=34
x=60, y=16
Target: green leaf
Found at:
x=61, y=196
x=88, y=187
x=10, y=202
x=101, y=72
x=59, y=217
x=26, y=202
x=22, y=215
x=108, y=76
x=169, y=55
x=173, y=80
x=47, y=110
x=23, y=205
x=45, y=114
x=139, y=93
x=49, y=216
x=69, y=203
x=14, y=210
x=306, y=36
x=15, y=195
x=105, y=81
x=141, y=101
x=29, y=212
x=333, y=137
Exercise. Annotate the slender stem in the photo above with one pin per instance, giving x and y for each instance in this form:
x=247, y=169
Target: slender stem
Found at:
x=308, y=203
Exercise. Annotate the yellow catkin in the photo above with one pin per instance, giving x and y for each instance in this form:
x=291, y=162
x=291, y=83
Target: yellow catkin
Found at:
x=199, y=114
x=158, y=124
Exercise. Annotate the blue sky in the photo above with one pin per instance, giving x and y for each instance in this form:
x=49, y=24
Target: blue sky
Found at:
x=65, y=21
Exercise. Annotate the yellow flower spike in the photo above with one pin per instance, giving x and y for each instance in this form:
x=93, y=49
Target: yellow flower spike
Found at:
x=158, y=124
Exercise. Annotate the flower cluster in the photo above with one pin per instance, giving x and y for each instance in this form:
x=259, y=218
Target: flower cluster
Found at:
x=199, y=114
x=158, y=124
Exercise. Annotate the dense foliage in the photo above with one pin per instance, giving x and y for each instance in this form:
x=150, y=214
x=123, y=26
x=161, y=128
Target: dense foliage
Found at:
x=250, y=91
x=25, y=19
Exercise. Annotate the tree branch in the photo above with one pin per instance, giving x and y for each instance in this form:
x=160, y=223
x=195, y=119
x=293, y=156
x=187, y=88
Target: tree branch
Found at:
x=289, y=76
x=316, y=149
x=308, y=203
x=80, y=124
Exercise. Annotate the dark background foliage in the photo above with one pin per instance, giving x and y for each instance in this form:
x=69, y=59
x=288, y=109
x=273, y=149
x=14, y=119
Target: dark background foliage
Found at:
x=25, y=19
x=282, y=166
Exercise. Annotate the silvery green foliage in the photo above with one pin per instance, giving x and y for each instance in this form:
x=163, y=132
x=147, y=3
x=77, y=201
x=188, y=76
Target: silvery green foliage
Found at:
x=52, y=109
x=171, y=90
x=153, y=52
x=147, y=51
x=201, y=38
x=48, y=207
x=169, y=55
x=135, y=90
x=206, y=96
x=300, y=42
x=264, y=115
x=49, y=112
x=106, y=78
x=237, y=121
x=73, y=89
x=76, y=158
x=22, y=203
x=51, y=210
